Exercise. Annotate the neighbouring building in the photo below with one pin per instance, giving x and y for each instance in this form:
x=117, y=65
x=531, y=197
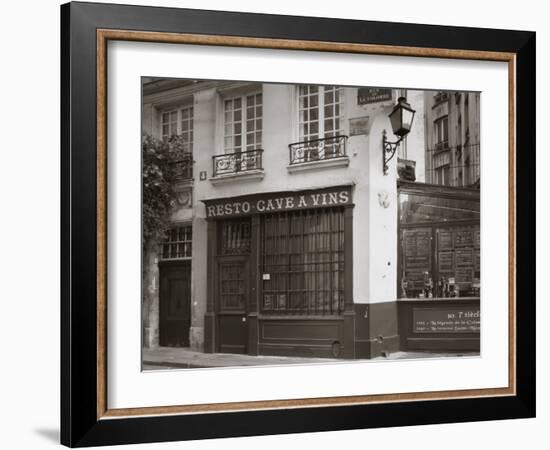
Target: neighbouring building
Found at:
x=288, y=239
x=452, y=138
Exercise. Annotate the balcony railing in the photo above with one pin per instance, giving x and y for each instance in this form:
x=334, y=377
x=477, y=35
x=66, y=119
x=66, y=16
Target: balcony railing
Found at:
x=183, y=167
x=441, y=146
x=240, y=162
x=318, y=149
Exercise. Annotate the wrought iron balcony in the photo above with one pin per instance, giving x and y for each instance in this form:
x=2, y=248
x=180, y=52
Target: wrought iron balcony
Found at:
x=183, y=167
x=318, y=149
x=441, y=146
x=235, y=163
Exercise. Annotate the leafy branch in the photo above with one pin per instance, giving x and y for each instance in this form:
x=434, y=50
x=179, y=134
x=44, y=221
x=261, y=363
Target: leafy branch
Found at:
x=158, y=187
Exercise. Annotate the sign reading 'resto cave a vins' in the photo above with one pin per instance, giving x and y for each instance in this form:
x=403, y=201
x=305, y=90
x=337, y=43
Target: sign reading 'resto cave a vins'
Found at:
x=446, y=320
x=278, y=202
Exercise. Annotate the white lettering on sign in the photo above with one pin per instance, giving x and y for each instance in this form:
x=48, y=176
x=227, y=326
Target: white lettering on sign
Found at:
x=283, y=203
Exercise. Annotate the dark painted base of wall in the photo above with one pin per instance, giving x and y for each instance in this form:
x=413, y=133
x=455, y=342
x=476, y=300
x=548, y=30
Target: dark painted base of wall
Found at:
x=369, y=331
x=376, y=331
x=374, y=348
x=303, y=337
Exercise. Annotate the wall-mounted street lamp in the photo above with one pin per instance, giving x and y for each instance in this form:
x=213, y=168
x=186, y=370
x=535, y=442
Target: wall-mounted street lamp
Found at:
x=401, y=119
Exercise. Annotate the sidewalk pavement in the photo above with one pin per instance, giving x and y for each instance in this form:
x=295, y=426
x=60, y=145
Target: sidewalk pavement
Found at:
x=177, y=358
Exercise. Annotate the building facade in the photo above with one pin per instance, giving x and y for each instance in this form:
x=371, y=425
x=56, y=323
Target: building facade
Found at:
x=285, y=237
x=452, y=138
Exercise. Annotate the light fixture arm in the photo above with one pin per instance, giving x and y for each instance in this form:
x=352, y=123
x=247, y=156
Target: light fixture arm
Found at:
x=388, y=148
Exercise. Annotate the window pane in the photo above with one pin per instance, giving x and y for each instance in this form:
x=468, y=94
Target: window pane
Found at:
x=415, y=208
x=314, y=114
x=314, y=127
x=314, y=101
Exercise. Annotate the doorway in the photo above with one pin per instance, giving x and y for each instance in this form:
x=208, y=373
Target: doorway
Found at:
x=233, y=295
x=175, y=303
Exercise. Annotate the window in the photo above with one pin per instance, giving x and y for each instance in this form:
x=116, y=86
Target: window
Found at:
x=320, y=111
x=302, y=262
x=179, y=122
x=169, y=124
x=178, y=243
x=243, y=123
x=439, y=247
x=442, y=175
x=235, y=238
x=441, y=130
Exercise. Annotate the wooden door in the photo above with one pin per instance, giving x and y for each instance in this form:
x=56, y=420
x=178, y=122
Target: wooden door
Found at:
x=175, y=304
x=233, y=299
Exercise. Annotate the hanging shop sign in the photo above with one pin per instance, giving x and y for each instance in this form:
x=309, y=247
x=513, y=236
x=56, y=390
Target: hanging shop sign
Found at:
x=278, y=202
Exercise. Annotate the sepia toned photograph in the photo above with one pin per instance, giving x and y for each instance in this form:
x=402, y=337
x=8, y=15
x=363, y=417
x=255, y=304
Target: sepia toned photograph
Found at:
x=298, y=224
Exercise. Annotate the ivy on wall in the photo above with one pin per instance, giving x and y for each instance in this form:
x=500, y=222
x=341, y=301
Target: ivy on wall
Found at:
x=158, y=184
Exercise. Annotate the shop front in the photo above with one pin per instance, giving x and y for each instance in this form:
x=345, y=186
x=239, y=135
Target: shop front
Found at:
x=440, y=271
x=280, y=274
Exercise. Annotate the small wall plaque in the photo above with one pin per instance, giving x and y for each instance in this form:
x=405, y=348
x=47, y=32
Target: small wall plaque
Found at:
x=359, y=126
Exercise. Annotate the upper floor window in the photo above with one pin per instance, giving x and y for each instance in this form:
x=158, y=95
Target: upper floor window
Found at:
x=441, y=130
x=243, y=123
x=320, y=111
x=179, y=122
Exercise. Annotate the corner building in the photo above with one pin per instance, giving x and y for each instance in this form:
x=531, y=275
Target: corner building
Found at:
x=285, y=236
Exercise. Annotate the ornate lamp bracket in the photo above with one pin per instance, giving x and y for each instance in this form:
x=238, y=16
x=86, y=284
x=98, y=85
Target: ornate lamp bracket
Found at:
x=388, y=148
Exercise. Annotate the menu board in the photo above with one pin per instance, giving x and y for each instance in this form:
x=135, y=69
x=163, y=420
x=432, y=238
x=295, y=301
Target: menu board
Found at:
x=476, y=237
x=459, y=254
x=464, y=237
x=417, y=256
x=446, y=320
x=456, y=271
x=445, y=240
x=477, y=260
x=446, y=261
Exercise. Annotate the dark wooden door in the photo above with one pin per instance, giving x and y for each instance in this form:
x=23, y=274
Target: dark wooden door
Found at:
x=233, y=299
x=175, y=304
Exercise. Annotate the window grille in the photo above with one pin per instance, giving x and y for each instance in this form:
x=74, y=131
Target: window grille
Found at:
x=235, y=239
x=303, y=262
x=232, y=287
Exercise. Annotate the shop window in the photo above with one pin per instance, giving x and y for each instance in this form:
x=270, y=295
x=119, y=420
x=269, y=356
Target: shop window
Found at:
x=302, y=262
x=439, y=249
x=178, y=243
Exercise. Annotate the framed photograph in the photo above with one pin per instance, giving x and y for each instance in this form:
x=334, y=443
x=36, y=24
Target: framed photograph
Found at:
x=277, y=224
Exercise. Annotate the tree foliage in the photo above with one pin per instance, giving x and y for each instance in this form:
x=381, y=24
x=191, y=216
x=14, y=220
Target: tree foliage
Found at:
x=158, y=190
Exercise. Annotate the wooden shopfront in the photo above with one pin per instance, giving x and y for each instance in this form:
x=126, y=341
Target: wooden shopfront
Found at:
x=279, y=271
x=439, y=278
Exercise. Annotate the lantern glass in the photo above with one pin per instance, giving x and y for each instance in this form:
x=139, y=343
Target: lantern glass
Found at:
x=401, y=118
